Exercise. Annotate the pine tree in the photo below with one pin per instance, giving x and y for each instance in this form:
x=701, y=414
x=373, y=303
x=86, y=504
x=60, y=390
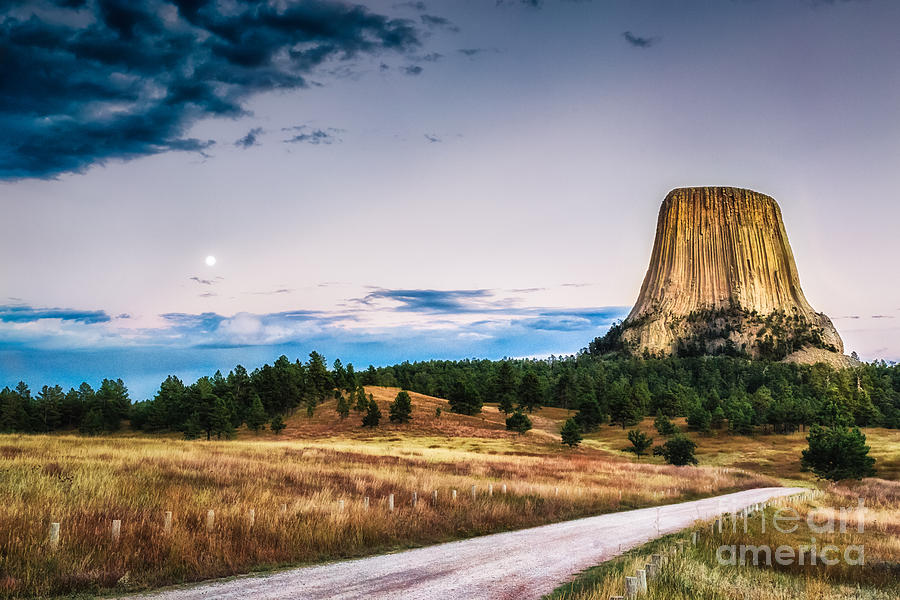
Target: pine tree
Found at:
x=664, y=426
x=373, y=414
x=505, y=387
x=640, y=442
x=571, y=433
x=678, y=451
x=401, y=408
x=530, y=394
x=464, y=399
x=256, y=416
x=277, y=425
x=343, y=406
x=838, y=453
x=362, y=402
x=220, y=420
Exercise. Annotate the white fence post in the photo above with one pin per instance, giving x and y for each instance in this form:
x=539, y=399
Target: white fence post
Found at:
x=116, y=530
x=167, y=522
x=251, y=518
x=210, y=520
x=415, y=499
x=632, y=586
x=54, y=536
x=366, y=503
x=391, y=502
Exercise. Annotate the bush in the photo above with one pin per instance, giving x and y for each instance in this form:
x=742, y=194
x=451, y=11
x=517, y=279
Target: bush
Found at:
x=571, y=433
x=518, y=421
x=837, y=453
x=699, y=418
x=678, y=451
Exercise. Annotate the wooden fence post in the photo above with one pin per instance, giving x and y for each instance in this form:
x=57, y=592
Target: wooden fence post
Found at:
x=340, y=506
x=54, y=536
x=473, y=492
x=366, y=503
x=631, y=587
x=415, y=499
x=391, y=502
x=503, y=489
x=167, y=522
x=116, y=530
x=210, y=520
x=490, y=489
x=642, y=580
x=453, y=495
x=434, y=497
x=251, y=518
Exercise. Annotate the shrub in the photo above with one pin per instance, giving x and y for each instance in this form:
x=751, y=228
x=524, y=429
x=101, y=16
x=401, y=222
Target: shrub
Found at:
x=678, y=451
x=277, y=425
x=518, y=421
x=664, y=426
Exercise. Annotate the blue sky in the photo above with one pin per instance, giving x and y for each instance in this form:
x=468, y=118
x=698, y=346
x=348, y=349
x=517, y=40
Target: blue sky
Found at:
x=407, y=180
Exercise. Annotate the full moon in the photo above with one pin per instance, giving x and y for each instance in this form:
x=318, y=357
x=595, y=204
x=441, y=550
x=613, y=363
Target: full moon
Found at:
x=210, y=260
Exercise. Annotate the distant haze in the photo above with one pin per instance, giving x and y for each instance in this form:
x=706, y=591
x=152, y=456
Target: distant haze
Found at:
x=418, y=180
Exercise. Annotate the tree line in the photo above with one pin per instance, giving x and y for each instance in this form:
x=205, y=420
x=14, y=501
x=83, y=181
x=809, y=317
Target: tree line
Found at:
x=727, y=393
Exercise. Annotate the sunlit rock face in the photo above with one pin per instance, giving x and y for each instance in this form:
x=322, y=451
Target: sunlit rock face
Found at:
x=722, y=279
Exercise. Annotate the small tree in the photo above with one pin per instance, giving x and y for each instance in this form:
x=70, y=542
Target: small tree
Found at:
x=837, y=453
x=507, y=403
x=362, y=403
x=518, y=421
x=678, y=451
x=571, y=433
x=373, y=414
x=437, y=412
x=640, y=442
x=343, y=406
x=664, y=426
x=530, y=393
x=256, y=416
x=277, y=425
x=401, y=408
x=699, y=418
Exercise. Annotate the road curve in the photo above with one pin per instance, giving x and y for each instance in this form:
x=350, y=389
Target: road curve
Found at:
x=518, y=564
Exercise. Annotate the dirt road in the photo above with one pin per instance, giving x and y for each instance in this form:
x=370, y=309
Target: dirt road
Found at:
x=514, y=565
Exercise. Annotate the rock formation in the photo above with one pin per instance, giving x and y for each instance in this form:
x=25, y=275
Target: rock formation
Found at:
x=722, y=279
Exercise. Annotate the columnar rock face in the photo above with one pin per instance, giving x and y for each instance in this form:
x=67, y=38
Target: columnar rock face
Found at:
x=722, y=279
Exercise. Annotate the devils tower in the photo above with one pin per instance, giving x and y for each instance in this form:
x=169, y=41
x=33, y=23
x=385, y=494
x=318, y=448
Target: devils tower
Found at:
x=722, y=280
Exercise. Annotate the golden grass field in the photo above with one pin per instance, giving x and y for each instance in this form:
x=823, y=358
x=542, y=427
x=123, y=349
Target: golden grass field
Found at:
x=695, y=574
x=295, y=484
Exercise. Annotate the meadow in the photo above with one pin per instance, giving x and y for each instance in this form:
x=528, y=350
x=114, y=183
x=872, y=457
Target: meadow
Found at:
x=300, y=497
x=696, y=574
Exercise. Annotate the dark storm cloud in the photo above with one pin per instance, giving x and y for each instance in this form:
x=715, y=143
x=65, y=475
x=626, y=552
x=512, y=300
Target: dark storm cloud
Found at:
x=308, y=135
x=436, y=22
x=249, y=140
x=638, y=41
x=84, y=82
x=28, y=314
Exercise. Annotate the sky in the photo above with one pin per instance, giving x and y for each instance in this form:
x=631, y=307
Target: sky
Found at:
x=396, y=181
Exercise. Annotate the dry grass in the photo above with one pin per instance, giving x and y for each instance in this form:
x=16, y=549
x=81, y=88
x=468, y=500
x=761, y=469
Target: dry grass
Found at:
x=696, y=574
x=775, y=455
x=85, y=483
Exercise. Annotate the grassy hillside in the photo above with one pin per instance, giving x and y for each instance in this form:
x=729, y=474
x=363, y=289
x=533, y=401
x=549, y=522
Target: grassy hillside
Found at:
x=295, y=484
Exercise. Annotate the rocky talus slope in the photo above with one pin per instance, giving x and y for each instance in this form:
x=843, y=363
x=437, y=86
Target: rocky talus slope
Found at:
x=722, y=279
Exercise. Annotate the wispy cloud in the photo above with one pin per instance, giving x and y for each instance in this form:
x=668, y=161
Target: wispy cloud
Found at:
x=308, y=135
x=28, y=314
x=436, y=22
x=639, y=41
x=249, y=140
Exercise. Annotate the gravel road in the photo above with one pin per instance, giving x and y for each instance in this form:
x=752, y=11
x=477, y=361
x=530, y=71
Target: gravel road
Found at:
x=519, y=564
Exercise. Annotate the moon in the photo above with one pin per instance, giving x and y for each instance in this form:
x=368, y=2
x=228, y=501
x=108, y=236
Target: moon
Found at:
x=210, y=260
